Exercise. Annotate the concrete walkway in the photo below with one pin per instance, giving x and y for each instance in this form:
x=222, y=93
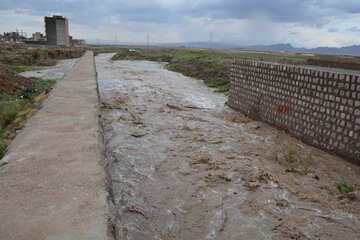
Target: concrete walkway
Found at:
x=52, y=185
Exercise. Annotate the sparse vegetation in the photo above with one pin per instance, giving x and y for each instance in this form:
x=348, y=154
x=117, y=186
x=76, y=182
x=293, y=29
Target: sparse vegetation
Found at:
x=293, y=158
x=15, y=109
x=292, y=164
x=10, y=110
x=28, y=59
x=19, y=67
x=344, y=186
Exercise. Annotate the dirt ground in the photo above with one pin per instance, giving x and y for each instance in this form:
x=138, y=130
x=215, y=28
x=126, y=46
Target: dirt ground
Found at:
x=184, y=166
x=11, y=83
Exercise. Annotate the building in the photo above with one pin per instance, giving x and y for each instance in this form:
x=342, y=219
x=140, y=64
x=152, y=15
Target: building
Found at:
x=57, y=30
x=11, y=37
x=78, y=42
x=37, y=36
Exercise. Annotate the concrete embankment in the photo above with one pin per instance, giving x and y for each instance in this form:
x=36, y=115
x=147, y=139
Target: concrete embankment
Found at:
x=52, y=184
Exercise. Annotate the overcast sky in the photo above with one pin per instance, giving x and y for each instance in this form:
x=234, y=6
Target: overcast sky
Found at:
x=303, y=23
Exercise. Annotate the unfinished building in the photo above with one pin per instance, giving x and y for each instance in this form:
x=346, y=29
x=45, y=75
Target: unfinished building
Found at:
x=57, y=31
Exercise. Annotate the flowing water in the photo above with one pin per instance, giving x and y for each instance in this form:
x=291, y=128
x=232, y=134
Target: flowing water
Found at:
x=56, y=72
x=184, y=166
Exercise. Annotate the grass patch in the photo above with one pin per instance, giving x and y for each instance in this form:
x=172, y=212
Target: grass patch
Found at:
x=292, y=164
x=42, y=85
x=11, y=109
x=18, y=68
x=344, y=186
x=293, y=158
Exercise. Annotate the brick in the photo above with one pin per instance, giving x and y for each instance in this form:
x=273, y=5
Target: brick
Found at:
x=324, y=107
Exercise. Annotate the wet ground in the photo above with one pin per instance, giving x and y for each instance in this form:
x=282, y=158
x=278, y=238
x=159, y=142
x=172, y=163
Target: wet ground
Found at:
x=56, y=72
x=184, y=166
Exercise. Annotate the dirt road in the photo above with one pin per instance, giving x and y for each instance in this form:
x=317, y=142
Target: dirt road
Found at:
x=184, y=166
x=52, y=185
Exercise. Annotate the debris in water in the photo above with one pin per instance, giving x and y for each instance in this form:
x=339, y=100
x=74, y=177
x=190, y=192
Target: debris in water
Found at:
x=138, y=135
x=136, y=210
x=174, y=106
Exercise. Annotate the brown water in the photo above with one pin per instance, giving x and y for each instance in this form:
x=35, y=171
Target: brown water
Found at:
x=184, y=166
x=56, y=72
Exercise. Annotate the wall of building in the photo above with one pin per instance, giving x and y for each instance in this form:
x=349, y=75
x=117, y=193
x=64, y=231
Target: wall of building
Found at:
x=61, y=32
x=50, y=30
x=57, y=31
x=320, y=108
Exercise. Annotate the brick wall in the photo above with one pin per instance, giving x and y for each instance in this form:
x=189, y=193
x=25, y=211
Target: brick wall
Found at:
x=317, y=107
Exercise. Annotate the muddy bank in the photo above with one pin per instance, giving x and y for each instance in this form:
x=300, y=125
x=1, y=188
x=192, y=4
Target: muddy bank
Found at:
x=11, y=83
x=184, y=166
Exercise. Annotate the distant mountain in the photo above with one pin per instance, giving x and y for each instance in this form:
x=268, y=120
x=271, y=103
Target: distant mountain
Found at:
x=199, y=45
x=349, y=50
x=274, y=47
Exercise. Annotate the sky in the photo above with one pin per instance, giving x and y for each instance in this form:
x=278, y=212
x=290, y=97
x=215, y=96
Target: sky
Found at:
x=302, y=23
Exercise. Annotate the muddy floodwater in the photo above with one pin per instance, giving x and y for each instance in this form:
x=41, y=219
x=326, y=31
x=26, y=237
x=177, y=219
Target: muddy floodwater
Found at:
x=56, y=72
x=184, y=166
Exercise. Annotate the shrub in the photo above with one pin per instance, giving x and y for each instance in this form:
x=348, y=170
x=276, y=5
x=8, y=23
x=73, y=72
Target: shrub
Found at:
x=27, y=92
x=344, y=186
x=293, y=158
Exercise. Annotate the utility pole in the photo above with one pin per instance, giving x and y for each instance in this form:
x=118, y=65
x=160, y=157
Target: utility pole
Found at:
x=211, y=39
x=148, y=40
x=116, y=41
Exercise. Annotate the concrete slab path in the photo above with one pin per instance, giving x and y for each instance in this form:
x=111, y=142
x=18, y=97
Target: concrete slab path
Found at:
x=52, y=185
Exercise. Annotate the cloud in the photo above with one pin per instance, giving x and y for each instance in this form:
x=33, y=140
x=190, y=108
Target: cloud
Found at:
x=354, y=29
x=236, y=21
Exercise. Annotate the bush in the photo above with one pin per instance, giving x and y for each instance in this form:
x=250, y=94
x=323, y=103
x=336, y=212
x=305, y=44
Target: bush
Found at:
x=27, y=92
x=293, y=158
x=43, y=85
x=344, y=186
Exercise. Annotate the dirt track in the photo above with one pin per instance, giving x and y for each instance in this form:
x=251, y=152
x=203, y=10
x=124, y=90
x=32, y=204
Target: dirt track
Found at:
x=184, y=166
